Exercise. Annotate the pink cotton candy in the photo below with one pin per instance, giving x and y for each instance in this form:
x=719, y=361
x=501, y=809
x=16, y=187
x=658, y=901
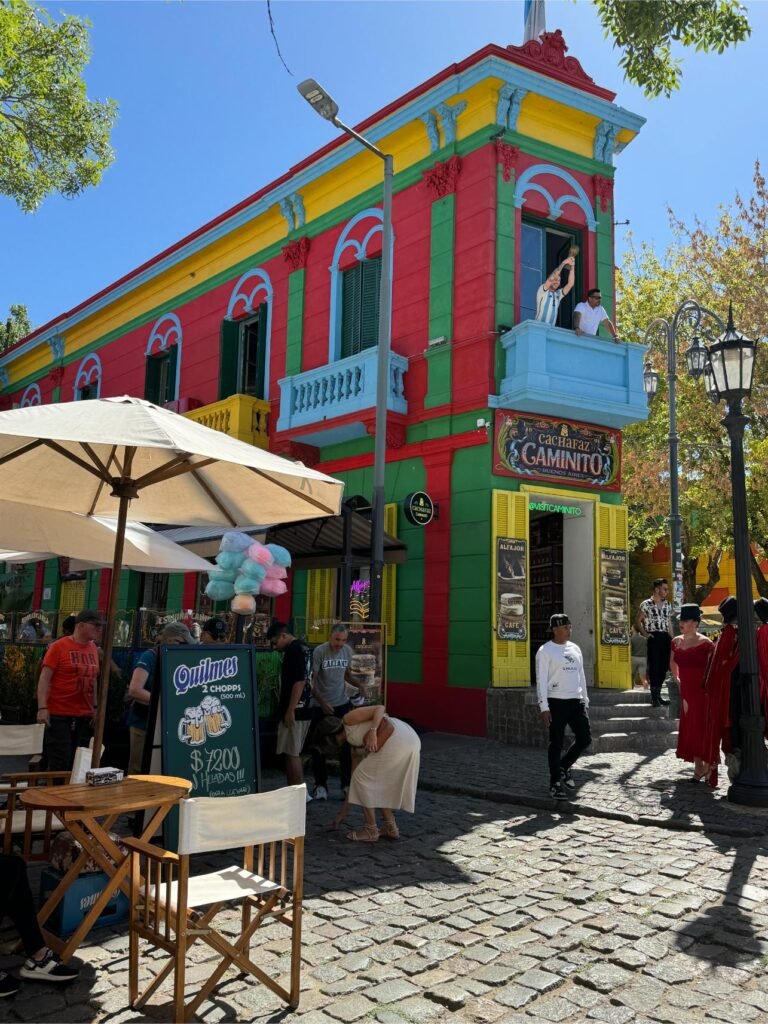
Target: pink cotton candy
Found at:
x=273, y=588
x=276, y=572
x=258, y=553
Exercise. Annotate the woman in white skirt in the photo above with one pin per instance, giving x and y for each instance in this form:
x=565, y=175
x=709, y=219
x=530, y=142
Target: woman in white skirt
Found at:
x=385, y=768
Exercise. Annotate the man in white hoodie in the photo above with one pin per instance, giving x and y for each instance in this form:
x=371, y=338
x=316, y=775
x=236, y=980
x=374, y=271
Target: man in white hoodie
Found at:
x=563, y=700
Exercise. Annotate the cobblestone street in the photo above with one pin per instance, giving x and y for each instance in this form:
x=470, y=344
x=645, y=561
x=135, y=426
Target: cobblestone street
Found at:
x=489, y=912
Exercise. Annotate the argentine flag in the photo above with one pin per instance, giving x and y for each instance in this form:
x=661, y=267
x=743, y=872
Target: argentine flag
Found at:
x=535, y=22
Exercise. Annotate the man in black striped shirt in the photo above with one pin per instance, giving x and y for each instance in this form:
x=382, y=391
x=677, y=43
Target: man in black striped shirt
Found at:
x=656, y=624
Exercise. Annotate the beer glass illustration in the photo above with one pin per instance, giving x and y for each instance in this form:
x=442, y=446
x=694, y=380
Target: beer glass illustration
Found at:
x=217, y=717
x=192, y=727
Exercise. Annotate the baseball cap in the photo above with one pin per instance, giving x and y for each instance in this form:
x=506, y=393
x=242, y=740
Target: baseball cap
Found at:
x=91, y=616
x=559, y=620
x=217, y=628
x=174, y=631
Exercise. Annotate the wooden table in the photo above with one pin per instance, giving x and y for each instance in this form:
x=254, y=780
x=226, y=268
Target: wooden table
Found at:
x=88, y=812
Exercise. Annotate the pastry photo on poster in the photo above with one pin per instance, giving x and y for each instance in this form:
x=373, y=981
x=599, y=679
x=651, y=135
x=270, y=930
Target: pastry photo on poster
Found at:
x=368, y=669
x=614, y=597
x=511, y=573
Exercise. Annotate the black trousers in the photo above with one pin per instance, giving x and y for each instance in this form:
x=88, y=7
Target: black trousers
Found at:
x=62, y=737
x=659, y=650
x=571, y=713
x=17, y=902
x=319, y=763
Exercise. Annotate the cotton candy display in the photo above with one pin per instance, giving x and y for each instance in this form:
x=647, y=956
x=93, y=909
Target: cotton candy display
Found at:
x=246, y=567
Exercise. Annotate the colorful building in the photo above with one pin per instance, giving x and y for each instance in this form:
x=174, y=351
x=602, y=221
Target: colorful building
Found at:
x=263, y=324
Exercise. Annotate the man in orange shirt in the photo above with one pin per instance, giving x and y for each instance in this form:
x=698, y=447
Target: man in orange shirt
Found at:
x=66, y=691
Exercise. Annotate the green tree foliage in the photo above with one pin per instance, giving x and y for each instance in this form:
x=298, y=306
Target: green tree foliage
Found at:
x=714, y=267
x=52, y=137
x=15, y=327
x=645, y=31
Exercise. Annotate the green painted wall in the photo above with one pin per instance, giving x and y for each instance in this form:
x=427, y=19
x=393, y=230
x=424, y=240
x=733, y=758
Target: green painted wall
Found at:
x=295, y=328
x=439, y=359
x=441, y=247
x=604, y=257
x=51, y=580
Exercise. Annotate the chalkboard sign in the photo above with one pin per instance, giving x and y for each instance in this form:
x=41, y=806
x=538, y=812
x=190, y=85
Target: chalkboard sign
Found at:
x=205, y=723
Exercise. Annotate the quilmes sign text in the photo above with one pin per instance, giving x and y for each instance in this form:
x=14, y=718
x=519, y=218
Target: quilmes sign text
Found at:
x=539, y=448
x=187, y=677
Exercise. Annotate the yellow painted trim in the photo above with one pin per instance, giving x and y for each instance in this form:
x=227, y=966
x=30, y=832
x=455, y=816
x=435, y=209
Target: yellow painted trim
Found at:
x=544, y=119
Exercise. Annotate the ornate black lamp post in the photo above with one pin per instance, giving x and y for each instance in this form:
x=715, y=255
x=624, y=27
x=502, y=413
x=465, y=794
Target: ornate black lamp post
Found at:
x=727, y=365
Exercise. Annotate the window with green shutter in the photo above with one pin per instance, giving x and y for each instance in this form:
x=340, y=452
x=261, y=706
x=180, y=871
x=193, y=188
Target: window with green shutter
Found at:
x=160, y=376
x=242, y=356
x=360, y=306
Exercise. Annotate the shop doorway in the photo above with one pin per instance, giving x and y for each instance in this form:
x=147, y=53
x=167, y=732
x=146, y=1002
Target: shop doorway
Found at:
x=562, y=576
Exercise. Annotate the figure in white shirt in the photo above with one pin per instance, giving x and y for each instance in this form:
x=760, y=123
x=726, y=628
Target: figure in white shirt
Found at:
x=551, y=294
x=589, y=315
x=563, y=700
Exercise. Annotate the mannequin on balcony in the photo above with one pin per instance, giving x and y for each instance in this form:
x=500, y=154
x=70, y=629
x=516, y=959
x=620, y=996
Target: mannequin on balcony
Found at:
x=551, y=293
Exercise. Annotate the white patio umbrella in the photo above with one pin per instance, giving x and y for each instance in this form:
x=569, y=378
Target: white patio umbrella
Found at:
x=49, y=533
x=95, y=457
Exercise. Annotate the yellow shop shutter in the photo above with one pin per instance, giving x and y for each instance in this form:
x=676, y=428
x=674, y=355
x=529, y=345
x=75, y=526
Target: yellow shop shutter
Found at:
x=321, y=584
x=510, y=659
x=389, y=580
x=613, y=668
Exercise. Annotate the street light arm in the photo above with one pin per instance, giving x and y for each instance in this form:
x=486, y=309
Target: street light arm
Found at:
x=695, y=314
x=358, y=138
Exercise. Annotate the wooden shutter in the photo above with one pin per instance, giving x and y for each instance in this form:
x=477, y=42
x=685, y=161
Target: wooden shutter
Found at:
x=261, y=352
x=321, y=585
x=229, y=358
x=369, y=303
x=389, y=581
x=351, y=281
x=613, y=664
x=152, y=379
x=510, y=659
x=173, y=362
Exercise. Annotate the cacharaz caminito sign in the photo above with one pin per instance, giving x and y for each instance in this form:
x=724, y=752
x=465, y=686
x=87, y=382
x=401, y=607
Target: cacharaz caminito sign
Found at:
x=559, y=451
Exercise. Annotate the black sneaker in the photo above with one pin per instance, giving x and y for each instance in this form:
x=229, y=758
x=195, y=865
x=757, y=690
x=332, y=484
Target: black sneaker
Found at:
x=567, y=779
x=50, y=968
x=9, y=985
x=558, y=792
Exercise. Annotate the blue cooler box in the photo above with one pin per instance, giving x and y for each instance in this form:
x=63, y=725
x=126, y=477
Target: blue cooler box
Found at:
x=78, y=900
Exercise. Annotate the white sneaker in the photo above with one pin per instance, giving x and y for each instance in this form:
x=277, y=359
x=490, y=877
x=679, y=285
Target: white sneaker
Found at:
x=320, y=793
x=309, y=798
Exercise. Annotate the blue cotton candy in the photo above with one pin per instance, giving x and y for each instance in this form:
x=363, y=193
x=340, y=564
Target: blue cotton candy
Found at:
x=230, y=575
x=230, y=559
x=246, y=585
x=220, y=590
x=255, y=570
x=234, y=540
x=282, y=556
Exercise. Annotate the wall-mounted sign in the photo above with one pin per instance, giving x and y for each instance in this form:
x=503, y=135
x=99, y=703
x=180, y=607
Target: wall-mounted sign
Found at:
x=368, y=669
x=419, y=508
x=614, y=597
x=511, y=572
x=557, y=451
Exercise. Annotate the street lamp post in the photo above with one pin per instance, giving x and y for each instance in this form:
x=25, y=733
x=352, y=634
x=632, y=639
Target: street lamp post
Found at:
x=323, y=103
x=727, y=366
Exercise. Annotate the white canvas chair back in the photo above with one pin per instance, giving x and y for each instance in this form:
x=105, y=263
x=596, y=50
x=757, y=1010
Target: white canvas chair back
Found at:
x=226, y=823
x=21, y=740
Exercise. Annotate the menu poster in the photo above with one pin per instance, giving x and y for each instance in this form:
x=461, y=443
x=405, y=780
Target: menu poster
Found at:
x=614, y=597
x=369, y=660
x=511, y=573
x=205, y=720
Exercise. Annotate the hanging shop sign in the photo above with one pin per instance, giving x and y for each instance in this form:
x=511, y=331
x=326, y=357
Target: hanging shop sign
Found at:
x=614, y=597
x=511, y=572
x=557, y=451
x=419, y=508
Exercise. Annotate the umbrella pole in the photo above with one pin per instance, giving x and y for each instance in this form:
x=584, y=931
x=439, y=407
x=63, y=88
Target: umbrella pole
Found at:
x=109, y=630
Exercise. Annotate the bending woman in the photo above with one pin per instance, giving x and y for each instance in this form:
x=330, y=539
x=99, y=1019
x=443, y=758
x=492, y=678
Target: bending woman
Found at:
x=385, y=768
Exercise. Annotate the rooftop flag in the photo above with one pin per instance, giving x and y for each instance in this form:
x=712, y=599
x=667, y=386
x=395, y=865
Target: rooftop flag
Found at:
x=535, y=22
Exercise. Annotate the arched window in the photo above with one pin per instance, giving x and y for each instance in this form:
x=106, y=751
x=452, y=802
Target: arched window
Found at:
x=245, y=337
x=163, y=360
x=32, y=396
x=88, y=379
x=355, y=283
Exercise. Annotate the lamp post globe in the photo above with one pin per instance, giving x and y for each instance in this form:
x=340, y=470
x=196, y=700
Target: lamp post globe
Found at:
x=732, y=358
x=696, y=358
x=650, y=381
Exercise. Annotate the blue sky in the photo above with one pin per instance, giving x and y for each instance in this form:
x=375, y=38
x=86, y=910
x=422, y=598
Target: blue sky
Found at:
x=208, y=115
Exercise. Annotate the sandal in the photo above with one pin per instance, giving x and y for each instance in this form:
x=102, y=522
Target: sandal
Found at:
x=367, y=834
x=390, y=831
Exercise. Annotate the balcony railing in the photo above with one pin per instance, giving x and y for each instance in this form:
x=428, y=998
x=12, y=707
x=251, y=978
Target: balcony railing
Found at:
x=339, y=389
x=240, y=416
x=555, y=372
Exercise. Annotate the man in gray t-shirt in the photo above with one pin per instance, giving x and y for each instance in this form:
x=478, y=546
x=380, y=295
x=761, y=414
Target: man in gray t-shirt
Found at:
x=331, y=664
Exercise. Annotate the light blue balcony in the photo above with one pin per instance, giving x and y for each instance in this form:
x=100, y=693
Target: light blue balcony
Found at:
x=344, y=389
x=555, y=372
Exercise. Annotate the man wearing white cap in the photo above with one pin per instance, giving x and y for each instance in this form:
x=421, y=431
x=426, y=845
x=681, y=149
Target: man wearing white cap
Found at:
x=563, y=700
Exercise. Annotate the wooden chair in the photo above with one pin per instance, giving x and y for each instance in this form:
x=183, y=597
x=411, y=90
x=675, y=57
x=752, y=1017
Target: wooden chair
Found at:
x=172, y=910
x=32, y=827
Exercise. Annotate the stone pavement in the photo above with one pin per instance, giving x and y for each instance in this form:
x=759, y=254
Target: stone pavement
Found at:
x=489, y=912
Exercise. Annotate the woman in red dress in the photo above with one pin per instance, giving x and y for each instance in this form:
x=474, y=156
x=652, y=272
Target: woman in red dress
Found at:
x=688, y=664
